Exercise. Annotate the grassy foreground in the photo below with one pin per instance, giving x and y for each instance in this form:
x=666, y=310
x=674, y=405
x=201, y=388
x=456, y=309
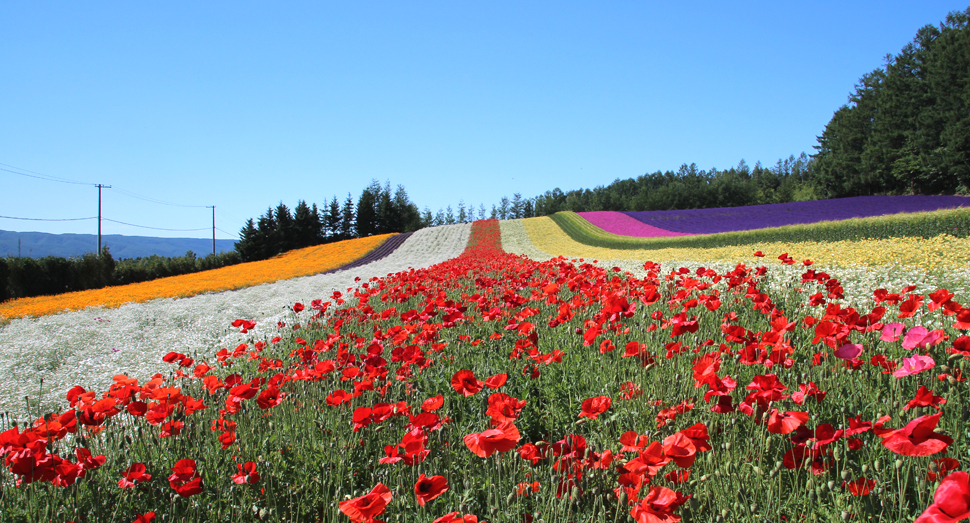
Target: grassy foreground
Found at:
x=492, y=387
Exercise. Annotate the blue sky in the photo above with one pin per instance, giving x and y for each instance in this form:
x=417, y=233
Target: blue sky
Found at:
x=242, y=104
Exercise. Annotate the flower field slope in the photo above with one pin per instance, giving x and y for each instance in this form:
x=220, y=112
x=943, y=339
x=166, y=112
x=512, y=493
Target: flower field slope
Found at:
x=937, y=254
x=293, y=264
x=90, y=346
x=730, y=219
x=492, y=387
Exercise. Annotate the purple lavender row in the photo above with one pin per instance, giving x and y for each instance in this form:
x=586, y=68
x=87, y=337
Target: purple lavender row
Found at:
x=728, y=219
x=382, y=251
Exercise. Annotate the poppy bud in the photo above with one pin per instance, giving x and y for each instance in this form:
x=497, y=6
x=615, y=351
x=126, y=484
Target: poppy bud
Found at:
x=899, y=464
x=845, y=475
x=877, y=465
x=831, y=485
x=865, y=469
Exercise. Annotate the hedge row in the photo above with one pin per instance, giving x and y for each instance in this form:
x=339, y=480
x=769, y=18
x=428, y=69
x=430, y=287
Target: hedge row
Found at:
x=28, y=277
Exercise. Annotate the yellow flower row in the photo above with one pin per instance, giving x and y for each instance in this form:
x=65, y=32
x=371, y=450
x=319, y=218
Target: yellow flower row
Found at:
x=940, y=252
x=293, y=264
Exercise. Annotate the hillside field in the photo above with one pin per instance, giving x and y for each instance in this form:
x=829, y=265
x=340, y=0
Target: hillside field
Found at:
x=543, y=369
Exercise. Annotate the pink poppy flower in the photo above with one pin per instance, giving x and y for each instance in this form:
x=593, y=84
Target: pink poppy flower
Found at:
x=918, y=363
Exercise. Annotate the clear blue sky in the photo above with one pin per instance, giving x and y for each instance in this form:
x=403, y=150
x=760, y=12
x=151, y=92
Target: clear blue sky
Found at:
x=243, y=104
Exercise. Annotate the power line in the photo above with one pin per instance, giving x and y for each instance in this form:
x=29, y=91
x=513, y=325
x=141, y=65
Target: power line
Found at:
x=155, y=228
x=39, y=176
x=224, y=232
x=50, y=219
x=49, y=178
x=153, y=200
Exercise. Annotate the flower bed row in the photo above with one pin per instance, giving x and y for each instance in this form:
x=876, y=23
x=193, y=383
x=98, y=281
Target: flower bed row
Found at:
x=495, y=387
x=293, y=264
x=730, y=219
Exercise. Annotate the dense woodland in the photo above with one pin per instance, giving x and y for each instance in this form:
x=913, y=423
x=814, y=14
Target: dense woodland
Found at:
x=378, y=211
x=906, y=128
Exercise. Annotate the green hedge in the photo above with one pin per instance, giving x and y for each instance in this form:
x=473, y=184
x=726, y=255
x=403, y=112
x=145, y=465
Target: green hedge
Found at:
x=27, y=277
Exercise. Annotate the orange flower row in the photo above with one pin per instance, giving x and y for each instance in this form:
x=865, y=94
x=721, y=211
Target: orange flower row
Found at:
x=301, y=262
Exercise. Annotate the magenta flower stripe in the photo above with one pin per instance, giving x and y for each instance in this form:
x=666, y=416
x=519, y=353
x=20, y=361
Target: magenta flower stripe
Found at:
x=619, y=223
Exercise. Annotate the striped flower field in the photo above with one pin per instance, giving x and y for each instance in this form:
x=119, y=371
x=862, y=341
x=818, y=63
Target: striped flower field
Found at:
x=514, y=372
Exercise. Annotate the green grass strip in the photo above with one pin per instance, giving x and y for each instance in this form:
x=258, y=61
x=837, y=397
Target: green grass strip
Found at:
x=955, y=222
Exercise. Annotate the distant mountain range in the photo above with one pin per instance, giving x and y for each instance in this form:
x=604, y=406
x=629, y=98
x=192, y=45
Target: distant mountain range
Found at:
x=40, y=244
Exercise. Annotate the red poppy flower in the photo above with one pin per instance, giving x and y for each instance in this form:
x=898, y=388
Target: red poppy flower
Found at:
x=338, y=397
x=630, y=390
x=785, y=422
x=297, y=307
x=502, y=438
x=433, y=403
x=940, y=467
x=496, y=381
x=951, y=501
x=680, y=449
x=677, y=476
x=917, y=437
x=658, y=506
x=860, y=486
x=147, y=517
x=925, y=398
x=427, y=489
x=456, y=517
x=632, y=441
x=184, y=479
x=171, y=428
x=593, y=407
x=133, y=475
x=502, y=407
x=364, y=508
x=247, y=473
x=465, y=383
x=269, y=398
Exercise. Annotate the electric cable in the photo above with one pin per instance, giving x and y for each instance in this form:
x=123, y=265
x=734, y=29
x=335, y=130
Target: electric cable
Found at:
x=49, y=219
x=156, y=228
x=40, y=176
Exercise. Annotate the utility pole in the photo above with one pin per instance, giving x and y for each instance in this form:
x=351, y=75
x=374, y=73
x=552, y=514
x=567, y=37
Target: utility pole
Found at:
x=99, y=186
x=213, y=228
